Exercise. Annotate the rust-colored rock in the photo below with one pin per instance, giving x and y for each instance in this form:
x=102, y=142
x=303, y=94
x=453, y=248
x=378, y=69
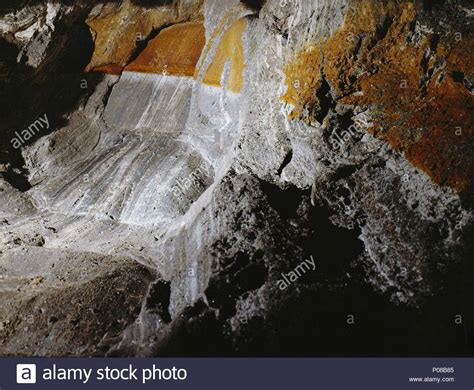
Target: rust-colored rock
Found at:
x=419, y=104
x=303, y=78
x=118, y=28
x=176, y=51
x=114, y=69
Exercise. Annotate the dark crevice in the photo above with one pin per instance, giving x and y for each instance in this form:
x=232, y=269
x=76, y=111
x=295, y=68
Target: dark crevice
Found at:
x=458, y=77
x=141, y=44
x=158, y=300
x=10, y=5
x=358, y=46
x=434, y=42
x=284, y=201
x=383, y=30
x=255, y=4
x=345, y=171
x=326, y=101
x=345, y=120
x=333, y=259
x=430, y=5
x=17, y=178
x=196, y=332
x=285, y=162
x=239, y=274
x=107, y=94
x=153, y=3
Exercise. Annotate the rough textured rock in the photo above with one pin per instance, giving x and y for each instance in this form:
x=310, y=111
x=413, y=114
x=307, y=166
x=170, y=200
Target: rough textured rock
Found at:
x=119, y=28
x=31, y=29
x=405, y=66
x=184, y=173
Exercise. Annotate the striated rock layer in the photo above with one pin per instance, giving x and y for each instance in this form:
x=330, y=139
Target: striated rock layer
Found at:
x=200, y=153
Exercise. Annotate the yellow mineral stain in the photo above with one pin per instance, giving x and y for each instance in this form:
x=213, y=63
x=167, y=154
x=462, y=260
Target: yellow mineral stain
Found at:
x=371, y=62
x=230, y=50
x=36, y=281
x=175, y=51
x=220, y=28
x=303, y=78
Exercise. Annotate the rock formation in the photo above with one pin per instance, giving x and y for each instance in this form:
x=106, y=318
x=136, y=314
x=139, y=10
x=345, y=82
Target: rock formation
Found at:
x=199, y=151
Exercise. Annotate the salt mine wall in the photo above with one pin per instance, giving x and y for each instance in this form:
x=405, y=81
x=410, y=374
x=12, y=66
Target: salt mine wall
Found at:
x=226, y=177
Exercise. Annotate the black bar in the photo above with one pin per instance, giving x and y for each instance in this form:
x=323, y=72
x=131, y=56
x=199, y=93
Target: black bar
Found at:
x=234, y=373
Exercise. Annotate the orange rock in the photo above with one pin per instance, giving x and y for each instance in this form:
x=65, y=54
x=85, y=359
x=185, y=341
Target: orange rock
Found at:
x=303, y=78
x=176, y=51
x=230, y=50
x=117, y=29
x=429, y=119
x=114, y=69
